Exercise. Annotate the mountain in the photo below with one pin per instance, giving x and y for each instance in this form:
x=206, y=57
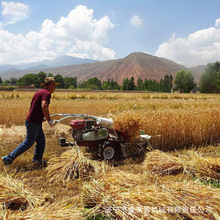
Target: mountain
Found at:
x=67, y=60
x=138, y=65
x=6, y=67
x=198, y=71
x=59, y=61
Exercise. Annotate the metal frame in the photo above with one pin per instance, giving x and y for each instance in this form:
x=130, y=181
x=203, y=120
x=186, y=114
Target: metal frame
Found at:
x=66, y=115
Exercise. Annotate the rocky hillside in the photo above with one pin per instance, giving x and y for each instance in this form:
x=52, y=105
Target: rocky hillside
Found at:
x=138, y=65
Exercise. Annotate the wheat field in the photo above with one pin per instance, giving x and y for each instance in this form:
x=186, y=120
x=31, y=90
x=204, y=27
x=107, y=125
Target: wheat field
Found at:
x=178, y=179
x=173, y=120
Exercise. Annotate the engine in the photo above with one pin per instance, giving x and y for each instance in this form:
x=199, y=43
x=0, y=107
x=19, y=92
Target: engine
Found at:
x=87, y=130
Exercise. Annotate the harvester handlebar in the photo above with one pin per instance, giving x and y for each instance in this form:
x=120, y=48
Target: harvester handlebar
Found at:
x=108, y=122
x=65, y=116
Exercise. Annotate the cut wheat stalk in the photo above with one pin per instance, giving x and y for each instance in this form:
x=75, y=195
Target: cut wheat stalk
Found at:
x=163, y=163
x=191, y=163
x=120, y=198
x=73, y=164
x=51, y=212
x=194, y=200
x=14, y=195
x=203, y=167
x=124, y=195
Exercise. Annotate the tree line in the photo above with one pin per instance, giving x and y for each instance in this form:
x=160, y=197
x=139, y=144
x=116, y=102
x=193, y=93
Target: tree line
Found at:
x=37, y=79
x=94, y=83
x=184, y=81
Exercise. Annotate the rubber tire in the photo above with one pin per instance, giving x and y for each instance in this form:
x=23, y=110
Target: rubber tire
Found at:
x=109, y=152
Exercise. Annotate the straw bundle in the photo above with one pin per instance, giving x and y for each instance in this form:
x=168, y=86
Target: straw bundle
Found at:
x=125, y=196
x=72, y=164
x=193, y=200
x=117, y=196
x=51, y=212
x=163, y=163
x=14, y=195
x=203, y=167
x=128, y=123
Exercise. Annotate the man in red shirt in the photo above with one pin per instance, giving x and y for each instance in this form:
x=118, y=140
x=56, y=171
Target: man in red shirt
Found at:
x=38, y=111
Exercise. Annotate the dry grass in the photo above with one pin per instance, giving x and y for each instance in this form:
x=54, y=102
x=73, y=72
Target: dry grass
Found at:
x=163, y=163
x=54, y=211
x=14, y=195
x=120, y=197
x=203, y=167
x=120, y=194
x=201, y=202
x=72, y=164
x=191, y=163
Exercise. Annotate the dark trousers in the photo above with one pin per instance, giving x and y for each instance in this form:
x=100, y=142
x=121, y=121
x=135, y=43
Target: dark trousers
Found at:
x=34, y=134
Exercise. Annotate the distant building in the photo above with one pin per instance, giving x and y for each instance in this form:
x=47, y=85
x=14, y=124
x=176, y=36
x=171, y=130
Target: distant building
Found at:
x=175, y=90
x=195, y=90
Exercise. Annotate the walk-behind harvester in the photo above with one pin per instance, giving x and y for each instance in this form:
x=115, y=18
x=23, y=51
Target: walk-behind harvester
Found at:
x=99, y=135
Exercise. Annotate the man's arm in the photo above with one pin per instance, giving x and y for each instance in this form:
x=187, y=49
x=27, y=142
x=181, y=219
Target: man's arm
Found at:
x=45, y=110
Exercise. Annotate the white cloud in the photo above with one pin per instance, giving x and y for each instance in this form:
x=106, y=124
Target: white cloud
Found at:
x=136, y=21
x=217, y=23
x=86, y=49
x=12, y=12
x=200, y=47
x=79, y=34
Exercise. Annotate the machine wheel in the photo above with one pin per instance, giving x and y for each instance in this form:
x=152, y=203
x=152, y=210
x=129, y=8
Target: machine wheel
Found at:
x=109, y=152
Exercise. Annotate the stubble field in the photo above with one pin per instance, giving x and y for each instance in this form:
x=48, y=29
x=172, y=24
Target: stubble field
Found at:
x=179, y=179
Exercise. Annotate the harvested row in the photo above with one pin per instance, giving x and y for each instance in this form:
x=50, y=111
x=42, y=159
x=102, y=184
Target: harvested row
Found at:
x=124, y=195
x=51, y=212
x=199, y=201
x=121, y=195
x=19, y=202
x=72, y=164
x=203, y=167
x=116, y=196
x=14, y=195
x=163, y=163
x=166, y=164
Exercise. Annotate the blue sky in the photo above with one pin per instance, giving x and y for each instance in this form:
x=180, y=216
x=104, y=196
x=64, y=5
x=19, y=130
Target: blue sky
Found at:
x=186, y=32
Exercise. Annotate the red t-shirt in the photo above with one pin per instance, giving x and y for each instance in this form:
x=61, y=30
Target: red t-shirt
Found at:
x=35, y=114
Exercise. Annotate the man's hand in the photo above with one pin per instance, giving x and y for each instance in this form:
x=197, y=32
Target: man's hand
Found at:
x=52, y=123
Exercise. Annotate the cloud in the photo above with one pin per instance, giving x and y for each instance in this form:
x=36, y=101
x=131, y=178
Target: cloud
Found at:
x=217, y=23
x=200, y=47
x=136, y=21
x=82, y=49
x=12, y=12
x=79, y=34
